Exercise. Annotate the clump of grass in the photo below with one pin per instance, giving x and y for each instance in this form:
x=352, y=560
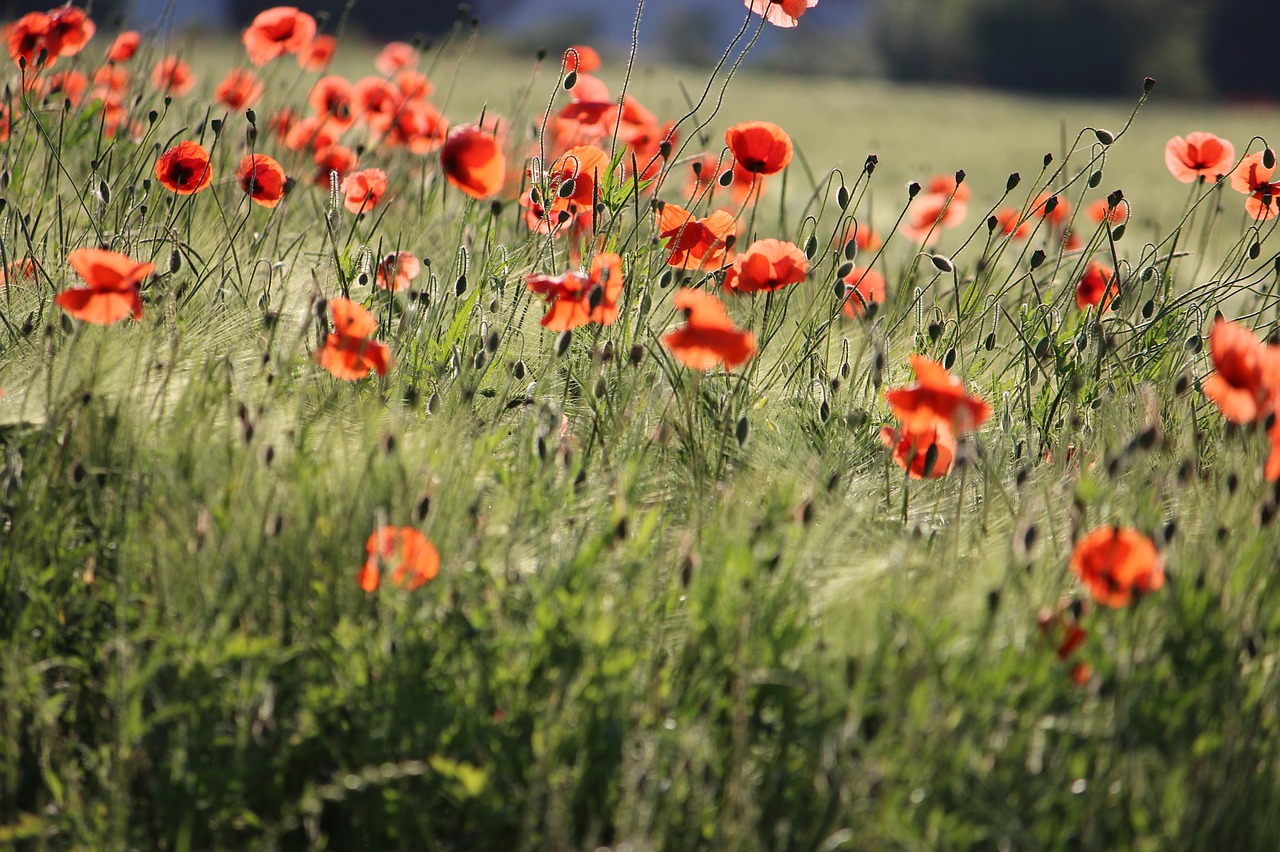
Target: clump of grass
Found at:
x=676, y=607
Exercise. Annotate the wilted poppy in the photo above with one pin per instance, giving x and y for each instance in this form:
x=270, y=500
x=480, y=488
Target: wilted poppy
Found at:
x=124, y=47
x=1237, y=384
x=927, y=454
x=780, y=13
x=415, y=559
x=172, y=76
x=1097, y=288
x=765, y=266
x=184, y=168
x=397, y=270
x=348, y=352
x=113, y=284
x=262, y=179
x=275, y=32
x=1253, y=178
x=239, y=89
x=363, y=190
x=395, y=56
x=695, y=243
x=1117, y=563
x=575, y=299
x=1199, y=156
x=473, y=162
x=759, y=146
x=864, y=288
x=937, y=397
x=1102, y=211
x=317, y=55
x=708, y=336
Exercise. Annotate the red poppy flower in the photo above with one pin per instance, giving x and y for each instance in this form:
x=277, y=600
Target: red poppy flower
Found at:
x=124, y=47
x=705, y=173
x=1253, y=178
x=397, y=270
x=780, y=13
x=335, y=158
x=1102, y=211
x=863, y=288
x=27, y=36
x=413, y=84
x=364, y=189
x=377, y=102
x=110, y=81
x=69, y=84
x=315, y=132
x=767, y=265
x=239, y=89
x=395, y=56
x=418, y=126
x=333, y=98
x=1199, y=156
x=416, y=560
x=864, y=237
x=172, y=76
x=927, y=454
x=566, y=190
x=937, y=397
x=1237, y=383
x=20, y=270
x=581, y=58
x=348, y=352
x=695, y=243
x=6, y=121
x=1117, y=563
x=1012, y=223
x=262, y=179
x=759, y=146
x=276, y=32
x=576, y=299
x=929, y=213
x=473, y=161
x=184, y=168
x=708, y=336
x=948, y=185
x=1097, y=287
x=317, y=55
x=1053, y=208
x=113, y=281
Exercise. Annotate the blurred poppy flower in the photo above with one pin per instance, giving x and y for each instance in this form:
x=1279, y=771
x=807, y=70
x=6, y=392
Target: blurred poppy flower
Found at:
x=413, y=84
x=348, y=352
x=172, y=76
x=1116, y=564
x=315, y=132
x=27, y=37
x=69, y=84
x=184, y=168
x=6, y=120
x=317, y=55
x=765, y=266
x=1097, y=288
x=566, y=190
x=110, y=81
x=364, y=189
x=277, y=31
x=19, y=270
x=708, y=336
x=397, y=270
x=239, y=89
x=759, y=146
x=1253, y=178
x=926, y=454
x=335, y=158
x=333, y=99
x=948, y=185
x=928, y=213
x=1053, y=208
x=473, y=162
x=69, y=30
x=576, y=299
x=695, y=243
x=262, y=179
x=418, y=126
x=113, y=286
x=377, y=102
x=863, y=289
x=780, y=13
x=581, y=58
x=395, y=56
x=864, y=237
x=124, y=47
x=1102, y=211
x=1199, y=156
x=937, y=397
x=1010, y=222
x=1237, y=385
x=415, y=559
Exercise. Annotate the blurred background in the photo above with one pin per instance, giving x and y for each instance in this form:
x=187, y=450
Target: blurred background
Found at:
x=1195, y=48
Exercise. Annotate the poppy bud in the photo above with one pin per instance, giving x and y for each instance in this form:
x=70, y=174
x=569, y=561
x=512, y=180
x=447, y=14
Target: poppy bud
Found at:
x=433, y=403
x=934, y=331
x=478, y=362
x=460, y=286
x=824, y=411
x=992, y=224
x=570, y=80
x=844, y=270
x=943, y=263
x=949, y=358
x=1269, y=159
x=726, y=178
x=811, y=247
x=1106, y=137
x=1254, y=251
x=1233, y=482
x=1043, y=348
x=567, y=188
x=1194, y=344
x=842, y=197
x=913, y=189
x=1095, y=179
x=990, y=342
x=851, y=250
x=664, y=149
x=562, y=342
x=636, y=353
x=1037, y=258
x=175, y=261
x=841, y=289
x=870, y=165
x=1048, y=158
x=601, y=388
x=1117, y=233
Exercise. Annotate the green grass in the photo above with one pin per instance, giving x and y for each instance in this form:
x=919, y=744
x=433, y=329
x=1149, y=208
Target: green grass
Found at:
x=674, y=610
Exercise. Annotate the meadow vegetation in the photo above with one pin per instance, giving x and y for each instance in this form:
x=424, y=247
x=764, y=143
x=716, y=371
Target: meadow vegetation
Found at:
x=533, y=547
